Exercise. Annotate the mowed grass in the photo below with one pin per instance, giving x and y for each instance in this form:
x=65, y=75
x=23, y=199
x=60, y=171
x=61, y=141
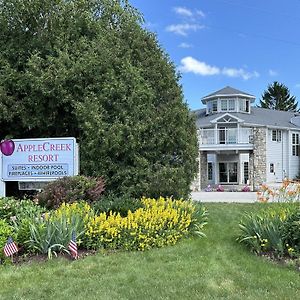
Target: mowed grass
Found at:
x=216, y=267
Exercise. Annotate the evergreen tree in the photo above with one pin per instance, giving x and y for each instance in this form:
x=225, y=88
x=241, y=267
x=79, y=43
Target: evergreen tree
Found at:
x=88, y=69
x=278, y=97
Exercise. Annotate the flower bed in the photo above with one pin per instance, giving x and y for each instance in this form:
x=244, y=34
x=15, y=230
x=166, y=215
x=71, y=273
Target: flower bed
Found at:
x=158, y=223
x=155, y=223
x=288, y=192
x=274, y=231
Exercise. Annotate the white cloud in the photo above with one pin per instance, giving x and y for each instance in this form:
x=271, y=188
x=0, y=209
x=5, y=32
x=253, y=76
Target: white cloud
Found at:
x=183, y=29
x=192, y=65
x=273, y=72
x=185, y=12
x=232, y=72
x=185, y=45
x=200, y=13
x=182, y=11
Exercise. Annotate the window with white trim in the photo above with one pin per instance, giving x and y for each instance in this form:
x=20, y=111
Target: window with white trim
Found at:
x=246, y=172
x=227, y=104
x=209, y=171
x=295, y=144
x=224, y=106
x=214, y=106
x=276, y=135
x=244, y=105
x=231, y=104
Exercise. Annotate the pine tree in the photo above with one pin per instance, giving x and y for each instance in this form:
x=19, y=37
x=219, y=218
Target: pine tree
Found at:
x=278, y=97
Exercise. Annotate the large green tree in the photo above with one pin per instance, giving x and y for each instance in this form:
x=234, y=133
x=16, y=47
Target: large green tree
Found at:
x=277, y=96
x=88, y=69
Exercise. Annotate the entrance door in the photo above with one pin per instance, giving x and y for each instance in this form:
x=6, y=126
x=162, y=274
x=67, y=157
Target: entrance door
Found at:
x=228, y=172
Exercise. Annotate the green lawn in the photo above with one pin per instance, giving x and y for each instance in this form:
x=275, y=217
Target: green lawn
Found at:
x=215, y=267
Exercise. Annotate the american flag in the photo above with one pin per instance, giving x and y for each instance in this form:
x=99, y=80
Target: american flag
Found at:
x=10, y=247
x=73, y=245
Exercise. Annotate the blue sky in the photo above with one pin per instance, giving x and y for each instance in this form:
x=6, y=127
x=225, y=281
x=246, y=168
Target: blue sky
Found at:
x=215, y=43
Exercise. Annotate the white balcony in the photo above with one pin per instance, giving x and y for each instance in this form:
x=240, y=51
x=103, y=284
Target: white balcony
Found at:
x=226, y=138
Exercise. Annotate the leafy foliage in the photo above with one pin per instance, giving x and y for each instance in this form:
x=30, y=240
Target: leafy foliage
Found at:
x=88, y=69
x=291, y=232
x=274, y=230
x=71, y=189
x=116, y=204
x=278, y=97
x=18, y=209
x=52, y=233
x=19, y=214
x=5, y=231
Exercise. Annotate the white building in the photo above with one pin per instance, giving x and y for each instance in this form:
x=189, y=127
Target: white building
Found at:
x=240, y=143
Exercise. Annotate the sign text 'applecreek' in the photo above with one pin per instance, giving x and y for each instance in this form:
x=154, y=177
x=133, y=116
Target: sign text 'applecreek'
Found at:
x=50, y=151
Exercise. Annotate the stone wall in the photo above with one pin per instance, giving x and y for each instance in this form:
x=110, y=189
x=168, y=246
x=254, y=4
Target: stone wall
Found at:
x=258, y=158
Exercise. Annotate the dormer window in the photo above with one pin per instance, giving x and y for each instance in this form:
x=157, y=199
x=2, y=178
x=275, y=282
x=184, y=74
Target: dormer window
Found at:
x=244, y=105
x=214, y=106
x=227, y=105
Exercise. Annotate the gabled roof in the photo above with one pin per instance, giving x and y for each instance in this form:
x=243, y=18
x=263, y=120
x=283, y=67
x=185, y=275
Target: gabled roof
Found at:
x=227, y=92
x=224, y=115
x=258, y=116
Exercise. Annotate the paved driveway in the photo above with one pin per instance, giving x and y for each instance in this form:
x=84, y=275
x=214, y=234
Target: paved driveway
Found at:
x=230, y=197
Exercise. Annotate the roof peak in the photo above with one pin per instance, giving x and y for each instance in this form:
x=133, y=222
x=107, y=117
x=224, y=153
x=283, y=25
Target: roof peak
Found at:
x=228, y=90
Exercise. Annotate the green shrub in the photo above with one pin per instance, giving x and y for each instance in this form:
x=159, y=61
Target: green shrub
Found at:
x=291, y=233
x=18, y=209
x=19, y=214
x=5, y=231
x=121, y=204
x=71, y=189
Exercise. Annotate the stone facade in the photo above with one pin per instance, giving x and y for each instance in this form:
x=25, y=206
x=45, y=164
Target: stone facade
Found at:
x=203, y=169
x=258, y=158
x=200, y=182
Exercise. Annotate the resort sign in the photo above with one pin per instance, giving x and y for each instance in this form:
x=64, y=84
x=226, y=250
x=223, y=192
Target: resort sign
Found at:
x=39, y=159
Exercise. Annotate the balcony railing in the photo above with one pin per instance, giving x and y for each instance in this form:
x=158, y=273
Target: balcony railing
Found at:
x=226, y=136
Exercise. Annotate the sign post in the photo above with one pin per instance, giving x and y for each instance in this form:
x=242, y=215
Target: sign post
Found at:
x=39, y=160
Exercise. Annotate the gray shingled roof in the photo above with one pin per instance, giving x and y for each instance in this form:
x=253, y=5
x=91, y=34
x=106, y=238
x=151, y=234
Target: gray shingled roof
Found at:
x=226, y=91
x=258, y=116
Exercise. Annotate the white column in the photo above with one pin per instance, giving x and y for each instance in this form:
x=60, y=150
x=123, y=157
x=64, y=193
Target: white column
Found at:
x=2, y=183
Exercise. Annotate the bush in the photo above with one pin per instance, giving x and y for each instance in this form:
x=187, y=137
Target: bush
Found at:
x=291, y=232
x=14, y=208
x=71, y=189
x=158, y=223
x=121, y=204
x=19, y=213
x=5, y=231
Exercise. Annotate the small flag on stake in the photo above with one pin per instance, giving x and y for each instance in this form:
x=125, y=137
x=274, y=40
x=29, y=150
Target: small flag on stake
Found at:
x=10, y=247
x=73, y=246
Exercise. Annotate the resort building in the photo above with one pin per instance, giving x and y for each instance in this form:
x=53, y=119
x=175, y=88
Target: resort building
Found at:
x=242, y=144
